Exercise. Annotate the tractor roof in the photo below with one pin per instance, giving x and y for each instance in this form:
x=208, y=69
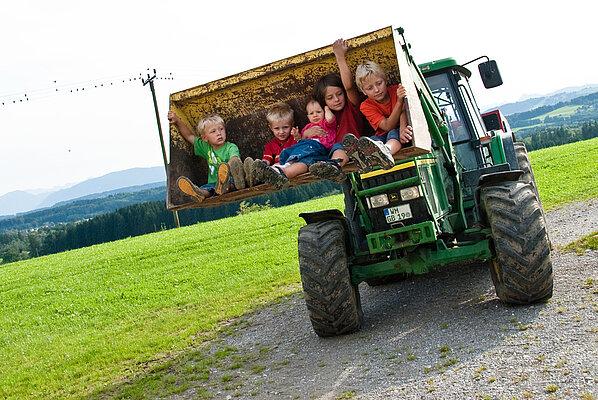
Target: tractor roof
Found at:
x=444, y=63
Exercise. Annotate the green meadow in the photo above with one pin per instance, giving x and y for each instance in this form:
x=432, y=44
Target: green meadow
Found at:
x=566, y=173
x=76, y=323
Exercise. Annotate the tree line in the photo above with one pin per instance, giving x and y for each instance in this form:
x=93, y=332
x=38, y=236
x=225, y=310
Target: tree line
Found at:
x=561, y=135
x=140, y=219
x=79, y=210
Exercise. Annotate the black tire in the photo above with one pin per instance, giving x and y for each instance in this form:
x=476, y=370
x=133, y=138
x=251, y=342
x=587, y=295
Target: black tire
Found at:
x=526, y=166
x=333, y=302
x=522, y=268
x=357, y=233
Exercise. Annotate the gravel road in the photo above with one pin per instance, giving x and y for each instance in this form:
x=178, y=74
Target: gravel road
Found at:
x=443, y=335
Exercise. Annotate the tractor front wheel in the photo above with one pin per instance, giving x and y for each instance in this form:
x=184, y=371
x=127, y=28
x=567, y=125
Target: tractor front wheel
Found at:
x=522, y=268
x=333, y=301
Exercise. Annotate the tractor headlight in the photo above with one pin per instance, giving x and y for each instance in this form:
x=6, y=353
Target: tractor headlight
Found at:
x=411, y=193
x=379, y=200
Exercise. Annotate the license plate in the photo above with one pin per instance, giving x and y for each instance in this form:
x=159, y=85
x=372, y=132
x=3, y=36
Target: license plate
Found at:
x=397, y=213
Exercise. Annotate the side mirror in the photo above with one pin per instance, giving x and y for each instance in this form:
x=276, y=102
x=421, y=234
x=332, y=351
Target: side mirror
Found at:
x=490, y=74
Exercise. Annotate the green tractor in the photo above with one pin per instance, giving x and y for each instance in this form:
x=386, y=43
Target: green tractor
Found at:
x=462, y=190
x=471, y=196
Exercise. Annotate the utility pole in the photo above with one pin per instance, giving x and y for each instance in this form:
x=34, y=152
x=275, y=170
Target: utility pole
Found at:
x=150, y=80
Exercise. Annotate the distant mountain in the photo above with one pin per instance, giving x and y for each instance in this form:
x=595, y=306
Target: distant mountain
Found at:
x=22, y=201
x=85, y=208
x=550, y=99
x=19, y=200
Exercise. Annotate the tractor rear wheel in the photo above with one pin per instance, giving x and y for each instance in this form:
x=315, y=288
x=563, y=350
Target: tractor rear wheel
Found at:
x=522, y=268
x=333, y=301
x=526, y=166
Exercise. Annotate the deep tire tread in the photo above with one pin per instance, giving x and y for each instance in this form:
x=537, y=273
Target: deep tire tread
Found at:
x=332, y=300
x=522, y=270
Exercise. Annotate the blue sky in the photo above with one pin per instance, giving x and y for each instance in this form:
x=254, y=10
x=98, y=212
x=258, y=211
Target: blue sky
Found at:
x=58, y=137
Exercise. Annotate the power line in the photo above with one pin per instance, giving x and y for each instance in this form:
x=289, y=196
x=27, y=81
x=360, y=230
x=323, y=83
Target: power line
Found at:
x=56, y=88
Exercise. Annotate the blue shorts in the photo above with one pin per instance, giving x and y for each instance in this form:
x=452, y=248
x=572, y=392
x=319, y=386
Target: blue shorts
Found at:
x=210, y=187
x=337, y=146
x=392, y=134
x=306, y=151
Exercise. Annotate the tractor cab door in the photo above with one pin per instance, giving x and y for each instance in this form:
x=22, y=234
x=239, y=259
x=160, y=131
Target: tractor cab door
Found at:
x=466, y=129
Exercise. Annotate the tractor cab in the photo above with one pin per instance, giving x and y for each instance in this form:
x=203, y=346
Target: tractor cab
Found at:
x=476, y=148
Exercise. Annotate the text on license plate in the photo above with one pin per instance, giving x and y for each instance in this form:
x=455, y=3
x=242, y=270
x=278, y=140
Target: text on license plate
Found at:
x=397, y=213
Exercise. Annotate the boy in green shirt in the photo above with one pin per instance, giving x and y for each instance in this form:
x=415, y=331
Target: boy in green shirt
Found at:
x=225, y=169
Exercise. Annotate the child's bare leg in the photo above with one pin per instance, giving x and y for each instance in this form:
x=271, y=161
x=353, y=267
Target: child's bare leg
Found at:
x=340, y=155
x=294, y=169
x=394, y=145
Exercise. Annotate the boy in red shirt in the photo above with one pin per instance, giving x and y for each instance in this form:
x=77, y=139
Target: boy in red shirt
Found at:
x=384, y=111
x=280, y=119
x=296, y=159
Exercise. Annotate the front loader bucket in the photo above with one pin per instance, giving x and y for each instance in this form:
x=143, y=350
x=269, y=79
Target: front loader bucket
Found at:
x=243, y=100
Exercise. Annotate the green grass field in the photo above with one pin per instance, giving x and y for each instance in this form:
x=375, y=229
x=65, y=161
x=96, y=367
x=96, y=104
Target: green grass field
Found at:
x=74, y=324
x=566, y=173
x=76, y=321
x=565, y=111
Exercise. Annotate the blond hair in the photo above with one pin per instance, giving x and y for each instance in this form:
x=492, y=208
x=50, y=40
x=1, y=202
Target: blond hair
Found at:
x=208, y=119
x=280, y=112
x=367, y=69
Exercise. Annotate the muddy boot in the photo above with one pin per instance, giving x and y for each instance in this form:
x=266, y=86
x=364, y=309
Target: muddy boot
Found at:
x=350, y=144
x=237, y=172
x=249, y=174
x=257, y=171
x=190, y=188
x=223, y=182
x=374, y=149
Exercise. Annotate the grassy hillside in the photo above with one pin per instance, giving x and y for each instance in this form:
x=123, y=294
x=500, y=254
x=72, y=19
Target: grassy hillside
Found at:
x=75, y=323
x=566, y=173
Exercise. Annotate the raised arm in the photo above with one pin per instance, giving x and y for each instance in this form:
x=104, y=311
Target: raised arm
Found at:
x=183, y=129
x=340, y=48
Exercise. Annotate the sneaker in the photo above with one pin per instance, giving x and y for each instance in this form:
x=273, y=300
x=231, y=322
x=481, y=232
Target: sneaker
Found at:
x=270, y=176
x=350, y=144
x=237, y=172
x=223, y=182
x=374, y=149
x=249, y=174
x=190, y=188
x=327, y=170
